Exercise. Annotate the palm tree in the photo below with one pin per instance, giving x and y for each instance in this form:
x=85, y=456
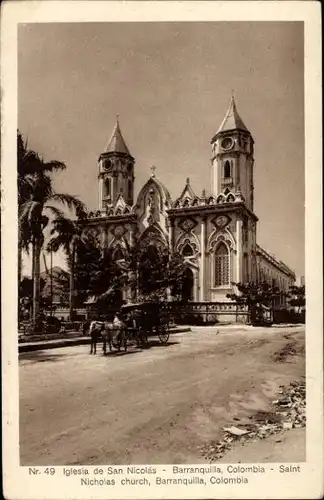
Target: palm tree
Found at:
x=37, y=200
x=29, y=166
x=67, y=234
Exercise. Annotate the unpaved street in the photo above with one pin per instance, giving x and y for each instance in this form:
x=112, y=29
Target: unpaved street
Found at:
x=159, y=405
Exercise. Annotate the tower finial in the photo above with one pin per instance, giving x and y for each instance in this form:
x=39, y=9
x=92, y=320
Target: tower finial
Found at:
x=153, y=168
x=232, y=93
x=117, y=119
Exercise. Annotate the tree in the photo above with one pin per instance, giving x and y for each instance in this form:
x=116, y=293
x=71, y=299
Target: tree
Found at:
x=38, y=201
x=152, y=273
x=97, y=273
x=26, y=294
x=30, y=166
x=67, y=234
x=56, y=284
x=255, y=296
x=297, y=297
x=148, y=273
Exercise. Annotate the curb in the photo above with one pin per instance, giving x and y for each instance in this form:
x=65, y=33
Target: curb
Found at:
x=54, y=344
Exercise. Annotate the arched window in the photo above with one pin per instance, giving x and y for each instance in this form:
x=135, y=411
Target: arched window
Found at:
x=118, y=254
x=188, y=285
x=130, y=188
x=107, y=184
x=187, y=250
x=152, y=252
x=227, y=169
x=221, y=265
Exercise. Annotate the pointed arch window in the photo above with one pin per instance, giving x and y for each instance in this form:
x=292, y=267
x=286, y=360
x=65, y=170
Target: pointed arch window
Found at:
x=130, y=188
x=118, y=254
x=187, y=250
x=222, y=275
x=227, y=169
x=107, y=185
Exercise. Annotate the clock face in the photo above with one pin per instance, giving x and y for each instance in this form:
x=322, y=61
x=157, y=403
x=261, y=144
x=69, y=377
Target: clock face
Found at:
x=227, y=143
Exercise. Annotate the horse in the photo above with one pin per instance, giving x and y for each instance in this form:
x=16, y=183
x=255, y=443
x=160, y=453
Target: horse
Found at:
x=95, y=332
x=114, y=333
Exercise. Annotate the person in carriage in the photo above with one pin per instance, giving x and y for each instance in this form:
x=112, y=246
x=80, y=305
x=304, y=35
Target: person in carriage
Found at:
x=113, y=333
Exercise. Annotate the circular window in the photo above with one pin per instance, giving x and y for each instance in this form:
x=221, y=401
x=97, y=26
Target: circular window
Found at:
x=107, y=164
x=227, y=143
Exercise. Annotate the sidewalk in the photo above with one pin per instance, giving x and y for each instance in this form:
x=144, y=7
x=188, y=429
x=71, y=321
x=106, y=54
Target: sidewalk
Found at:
x=68, y=342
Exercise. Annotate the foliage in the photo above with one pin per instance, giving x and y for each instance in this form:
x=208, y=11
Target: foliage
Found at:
x=67, y=234
x=59, y=286
x=26, y=293
x=146, y=272
x=256, y=296
x=37, y=203
x=96, y=273
x=297, y=297
x=152, y=272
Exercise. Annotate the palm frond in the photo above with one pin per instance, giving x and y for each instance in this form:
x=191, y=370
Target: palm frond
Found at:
x=72, y=202
x=53, y=166
x=28, y=210
x=57, y=212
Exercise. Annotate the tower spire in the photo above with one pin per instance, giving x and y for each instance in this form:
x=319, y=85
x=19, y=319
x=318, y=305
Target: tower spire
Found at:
x=232, y=120
x=116, y=142
x=116, y=170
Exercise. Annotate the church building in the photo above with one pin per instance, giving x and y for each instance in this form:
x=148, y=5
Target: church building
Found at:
x=215, y=231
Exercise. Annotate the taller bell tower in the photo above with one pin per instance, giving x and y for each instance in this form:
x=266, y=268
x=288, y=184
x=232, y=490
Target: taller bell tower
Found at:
x=116, y=171
x=232, y=157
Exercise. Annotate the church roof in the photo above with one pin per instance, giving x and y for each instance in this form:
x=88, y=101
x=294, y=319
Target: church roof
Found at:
x=163, y=188
x=165, y=195
x=187, y=192
x=232, y=120
x=116, y=143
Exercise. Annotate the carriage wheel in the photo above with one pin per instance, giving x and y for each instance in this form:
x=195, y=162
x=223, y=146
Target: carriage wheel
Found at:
x=117, y=342
x=164, y=333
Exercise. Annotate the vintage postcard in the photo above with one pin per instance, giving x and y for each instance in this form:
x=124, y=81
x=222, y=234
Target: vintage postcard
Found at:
x=161, y=250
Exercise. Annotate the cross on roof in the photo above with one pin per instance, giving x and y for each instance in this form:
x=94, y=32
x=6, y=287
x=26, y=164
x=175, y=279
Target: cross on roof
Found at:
x=153, y=168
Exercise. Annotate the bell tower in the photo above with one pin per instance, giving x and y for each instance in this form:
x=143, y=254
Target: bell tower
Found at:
x=232, y=157
x=116, y=171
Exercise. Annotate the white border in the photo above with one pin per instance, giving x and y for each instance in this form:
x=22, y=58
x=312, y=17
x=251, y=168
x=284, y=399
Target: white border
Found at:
x=308, y=484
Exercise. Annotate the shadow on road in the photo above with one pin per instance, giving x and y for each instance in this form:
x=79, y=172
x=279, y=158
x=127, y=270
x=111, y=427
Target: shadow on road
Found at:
x=42, y=356
x=46, y=355
x=134, y=349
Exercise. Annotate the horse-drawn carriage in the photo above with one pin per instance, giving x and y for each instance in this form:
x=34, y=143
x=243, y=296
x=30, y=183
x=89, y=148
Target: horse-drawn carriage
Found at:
x=134, y=324
x=147, y=319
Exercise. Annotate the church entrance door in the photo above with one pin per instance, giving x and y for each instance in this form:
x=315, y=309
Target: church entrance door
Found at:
x=188, y=285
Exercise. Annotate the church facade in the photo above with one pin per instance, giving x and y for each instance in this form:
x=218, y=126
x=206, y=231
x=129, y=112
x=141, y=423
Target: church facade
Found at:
x=216, y=231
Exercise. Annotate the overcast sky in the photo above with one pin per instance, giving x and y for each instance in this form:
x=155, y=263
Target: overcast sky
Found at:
x=171, y=85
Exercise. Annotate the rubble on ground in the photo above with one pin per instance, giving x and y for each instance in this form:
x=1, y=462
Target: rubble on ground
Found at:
x=289, y=412
x=290, y=349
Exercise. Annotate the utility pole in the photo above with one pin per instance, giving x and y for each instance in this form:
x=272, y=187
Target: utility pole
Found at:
x=51, y=278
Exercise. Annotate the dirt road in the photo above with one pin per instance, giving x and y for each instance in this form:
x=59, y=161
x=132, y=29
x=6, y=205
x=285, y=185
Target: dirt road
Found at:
x=154, y=406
